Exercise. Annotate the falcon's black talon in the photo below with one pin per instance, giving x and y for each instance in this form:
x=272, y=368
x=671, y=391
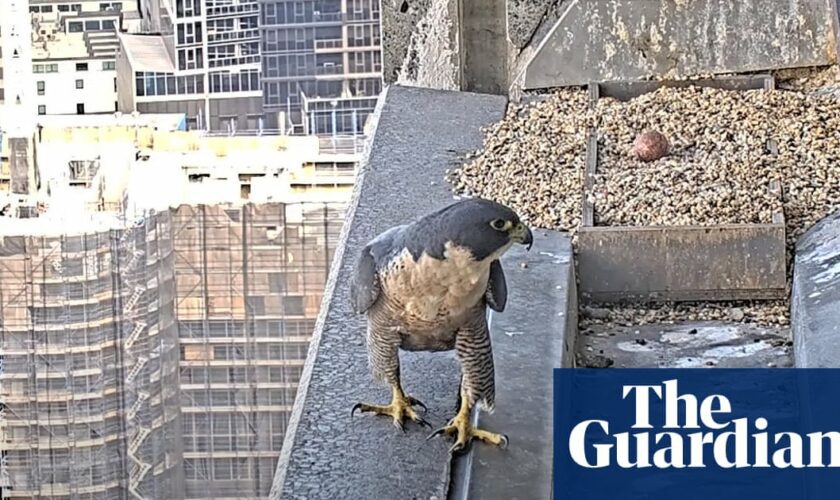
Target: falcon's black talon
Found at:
x=457, y=448
x=505, y=441
x=436, y=433
x=417, y=402
x=424, y=423
x=399, y=425
x=357, y=406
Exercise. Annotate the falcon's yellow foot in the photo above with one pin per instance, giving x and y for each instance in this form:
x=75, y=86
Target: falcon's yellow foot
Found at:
x=399, y=409
x=464, y=432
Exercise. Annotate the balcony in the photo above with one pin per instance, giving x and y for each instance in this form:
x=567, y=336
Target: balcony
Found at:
x=329, y=45
x=224, y=62
x=232, y=10
x=330, y=69
x=233, y=36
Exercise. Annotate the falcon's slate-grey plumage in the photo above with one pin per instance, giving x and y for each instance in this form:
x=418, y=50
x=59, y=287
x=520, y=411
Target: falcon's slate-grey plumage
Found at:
x=425, y=286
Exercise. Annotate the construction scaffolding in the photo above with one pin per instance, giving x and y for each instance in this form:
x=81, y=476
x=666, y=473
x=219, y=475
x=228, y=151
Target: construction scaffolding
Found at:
x=88, y=384
x=249, y=286
x=158, y=358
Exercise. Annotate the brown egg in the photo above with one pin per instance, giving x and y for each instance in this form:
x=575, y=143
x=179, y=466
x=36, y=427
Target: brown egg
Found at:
x=650, y=145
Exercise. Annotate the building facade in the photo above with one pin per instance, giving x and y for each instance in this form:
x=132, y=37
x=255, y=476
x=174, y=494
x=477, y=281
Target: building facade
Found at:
x=154, y=352
x=293, y=67
x=15, y=58
x=198, y=57
x=322, y=64
x=90, y=367
x=64, y=62
x=73, y=63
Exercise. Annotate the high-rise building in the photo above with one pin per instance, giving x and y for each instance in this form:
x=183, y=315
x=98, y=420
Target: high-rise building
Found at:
x=90, y=362
x=154, y=352
x=298, y=67
x=322, y=64
x=198, y=57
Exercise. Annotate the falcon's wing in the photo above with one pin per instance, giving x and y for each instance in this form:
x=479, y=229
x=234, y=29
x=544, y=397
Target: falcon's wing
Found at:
x=364, y=290
x=496, y=294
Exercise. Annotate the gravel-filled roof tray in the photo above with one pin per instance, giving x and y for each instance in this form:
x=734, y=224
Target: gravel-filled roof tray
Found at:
x=703, y=222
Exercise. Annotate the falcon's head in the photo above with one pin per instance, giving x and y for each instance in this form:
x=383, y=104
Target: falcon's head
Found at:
x=482, y=226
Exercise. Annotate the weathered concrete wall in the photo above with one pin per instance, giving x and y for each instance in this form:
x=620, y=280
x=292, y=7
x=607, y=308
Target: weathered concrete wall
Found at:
x=523, y=19
x=631, y=39
x=431, y=58
x=399, y=21
x=815, y=301
x=427, y=45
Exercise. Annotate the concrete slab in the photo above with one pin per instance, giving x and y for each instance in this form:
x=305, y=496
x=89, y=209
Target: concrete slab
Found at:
x=532, y=337
x=420, y=133
x=603, y=40
x=707, y=344
x=815, y=299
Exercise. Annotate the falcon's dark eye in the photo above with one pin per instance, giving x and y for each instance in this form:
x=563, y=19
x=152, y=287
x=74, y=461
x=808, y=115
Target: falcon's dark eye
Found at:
x=500, y=224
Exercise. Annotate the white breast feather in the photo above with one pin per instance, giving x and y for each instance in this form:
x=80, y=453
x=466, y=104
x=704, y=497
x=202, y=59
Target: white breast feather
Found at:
x=432, y=289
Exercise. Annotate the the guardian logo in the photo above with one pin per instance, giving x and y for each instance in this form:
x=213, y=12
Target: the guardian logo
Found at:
x=693, y=431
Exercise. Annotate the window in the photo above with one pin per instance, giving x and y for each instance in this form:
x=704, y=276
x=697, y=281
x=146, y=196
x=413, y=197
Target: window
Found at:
x=116, y=106
x=41, y=88
x=81, y=66
x=42, y=109
x=80, y=84
x=64, y=8
x=76, y=7
x=109, y=65
x=80, y=109
x=38, y=68
x=46, y=8
x=51, y=68
x=115, y=84
x=92, y=26
x=108, y=24
x=75, y=27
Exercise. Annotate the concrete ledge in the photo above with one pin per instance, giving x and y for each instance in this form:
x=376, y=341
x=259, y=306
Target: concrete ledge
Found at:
x=326, y=454
x=534, y=335
x=815, y=302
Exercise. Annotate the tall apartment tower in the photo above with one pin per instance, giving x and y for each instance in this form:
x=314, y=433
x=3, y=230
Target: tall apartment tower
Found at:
x=322, y=64
x=199, y=57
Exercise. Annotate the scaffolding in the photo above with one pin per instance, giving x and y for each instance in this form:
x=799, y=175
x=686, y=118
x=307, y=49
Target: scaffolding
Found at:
x=159, y=359
x=249, y=286
x=68, y=305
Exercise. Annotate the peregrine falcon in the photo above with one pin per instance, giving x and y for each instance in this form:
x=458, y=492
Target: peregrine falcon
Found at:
x=425, y=286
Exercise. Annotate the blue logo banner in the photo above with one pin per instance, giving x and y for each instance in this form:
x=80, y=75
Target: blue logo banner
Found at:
x=687, y=434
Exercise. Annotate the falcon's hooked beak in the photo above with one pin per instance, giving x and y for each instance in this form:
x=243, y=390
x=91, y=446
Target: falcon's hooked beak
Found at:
x=522, y=234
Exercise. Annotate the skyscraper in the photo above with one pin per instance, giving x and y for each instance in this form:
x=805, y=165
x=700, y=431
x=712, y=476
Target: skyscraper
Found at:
x=322, y=63
x=199, y=57
x=301, y=67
